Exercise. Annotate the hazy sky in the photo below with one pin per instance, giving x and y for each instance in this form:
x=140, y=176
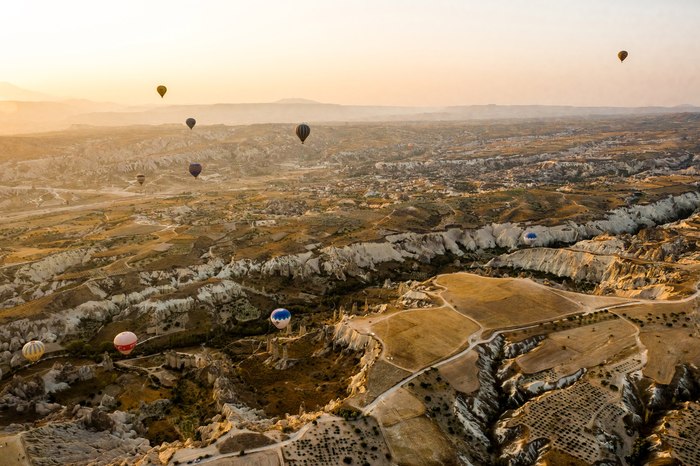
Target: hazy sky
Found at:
x=389, y=52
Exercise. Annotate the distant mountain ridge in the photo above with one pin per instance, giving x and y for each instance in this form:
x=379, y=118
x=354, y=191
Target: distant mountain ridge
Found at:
x=294, y=112
x=9, y=91
x=17, y=116
x=294, y=100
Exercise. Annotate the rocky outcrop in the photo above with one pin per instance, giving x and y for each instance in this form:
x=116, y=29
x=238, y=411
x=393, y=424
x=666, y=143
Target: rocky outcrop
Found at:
x=584, y=261
x=50, y=266
x=349, y=339
x=643, y=265
x=476, y=413
x=525, y=453
x=513, y=350
x=21, y=394
x=539, y=387
x=82, y=443
x=579, y=265
x=360, y=259
x=344, y=336
x=62, y=376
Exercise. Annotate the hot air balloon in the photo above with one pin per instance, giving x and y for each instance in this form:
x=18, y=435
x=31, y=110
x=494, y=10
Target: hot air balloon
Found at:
x=280, y=318
x=190, y=122
x=140, y=178
x=622, y=54
x=161, y=90
x=125, y=342
x=303, y=132
x=195, y=169
x=530, y=237
x=33, y=350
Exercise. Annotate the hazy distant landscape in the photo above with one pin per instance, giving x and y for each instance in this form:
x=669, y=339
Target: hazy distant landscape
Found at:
x=418, y=310
x=378, y=233
x=28, y=116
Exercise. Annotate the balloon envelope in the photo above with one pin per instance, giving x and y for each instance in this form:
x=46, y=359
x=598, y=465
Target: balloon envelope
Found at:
x=140, y=178
x=190, y=122
x=125, y=342
x=195, y=169
x=530, y=237
x=303, y=132
x=622, y=54
x=33, y=350
x=161, y=90
x=280, y=318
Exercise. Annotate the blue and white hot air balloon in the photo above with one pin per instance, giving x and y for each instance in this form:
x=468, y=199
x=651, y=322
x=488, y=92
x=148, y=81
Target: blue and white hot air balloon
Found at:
x=280, y=318
x=529, y=238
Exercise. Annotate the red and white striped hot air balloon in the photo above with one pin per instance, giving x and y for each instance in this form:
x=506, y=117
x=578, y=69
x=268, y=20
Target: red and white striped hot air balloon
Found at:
x=125, y=342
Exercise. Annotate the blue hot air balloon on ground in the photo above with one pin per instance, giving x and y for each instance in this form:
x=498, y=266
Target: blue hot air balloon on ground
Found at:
x=280, y=318
x=530, y=237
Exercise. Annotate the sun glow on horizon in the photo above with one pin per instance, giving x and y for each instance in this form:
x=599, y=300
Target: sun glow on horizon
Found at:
x=384, y=52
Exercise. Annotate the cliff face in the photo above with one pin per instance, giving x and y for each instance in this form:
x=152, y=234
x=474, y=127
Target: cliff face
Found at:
x=478, y=412
x=606, y=262
x=649, y=264
x=578, y=265
x=344, y=336
x=360, y=259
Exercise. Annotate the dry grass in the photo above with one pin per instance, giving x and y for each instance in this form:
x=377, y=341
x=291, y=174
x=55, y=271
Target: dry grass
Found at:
x=667, y=349
x=462, y=373
x=23, y=254
x=398, y=407
x=312, y=381
x=263, y=458
x=244, y=441
x=382, y=376
x=13, y=453
x=138, y=392
x=414, y=339
x=45, y=305
x=129, y=229
x=419, y=442
x=670, y=333
x=556, y=457
x=503, y=302
x=592, y=301
x=587, y=346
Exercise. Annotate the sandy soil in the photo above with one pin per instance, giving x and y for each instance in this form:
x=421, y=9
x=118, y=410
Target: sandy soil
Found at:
x=586, y=346
x=462, y=373
x=499, y=302
x=414, y=339
x=12, y=451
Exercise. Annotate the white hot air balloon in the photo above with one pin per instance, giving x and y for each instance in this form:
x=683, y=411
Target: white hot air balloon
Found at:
x=280, y=318
x=33, y=350
x=125, y=342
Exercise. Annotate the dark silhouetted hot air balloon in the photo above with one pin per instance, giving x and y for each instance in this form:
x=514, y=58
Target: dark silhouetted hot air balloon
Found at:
x=280, y=318
x=303, y=132
x=125, y=342
x=622, y=54
x=195, y=169
x=140, y=178
x=33, y=350
x=190, y=122
x=161, y=90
